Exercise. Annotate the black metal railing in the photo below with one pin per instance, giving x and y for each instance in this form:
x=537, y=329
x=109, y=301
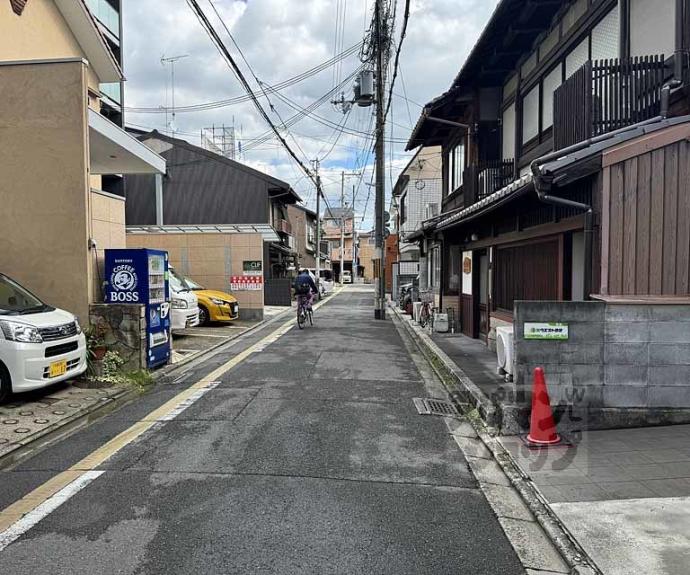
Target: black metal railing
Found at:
x=483, y=179
x=606, y=95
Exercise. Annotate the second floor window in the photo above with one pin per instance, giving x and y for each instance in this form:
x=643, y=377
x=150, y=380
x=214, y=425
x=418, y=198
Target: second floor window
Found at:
x=509, y=132
x=456, y=166
x=530, y=115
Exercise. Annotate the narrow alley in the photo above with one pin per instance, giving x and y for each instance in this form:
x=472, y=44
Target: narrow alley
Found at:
x=292, y=452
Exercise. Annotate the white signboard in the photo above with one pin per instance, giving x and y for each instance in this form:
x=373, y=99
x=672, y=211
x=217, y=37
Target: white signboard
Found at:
x=546, y=331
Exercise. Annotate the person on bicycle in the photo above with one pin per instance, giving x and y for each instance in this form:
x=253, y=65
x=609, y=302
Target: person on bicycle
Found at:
x=306, y=286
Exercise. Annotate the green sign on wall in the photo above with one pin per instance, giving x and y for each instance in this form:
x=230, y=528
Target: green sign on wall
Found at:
x=252, y=267
x=546, y=331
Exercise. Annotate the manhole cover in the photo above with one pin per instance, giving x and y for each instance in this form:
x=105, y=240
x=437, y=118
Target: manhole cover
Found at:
x=58, y=412
x=435, y=407
x=74, y=405
x=26, y=413
x=10, y=421
x=41, y=421
x=22, y=430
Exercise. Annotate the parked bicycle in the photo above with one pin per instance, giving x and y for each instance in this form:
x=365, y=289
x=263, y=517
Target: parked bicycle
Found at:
x=426, y=313
x=304, y=311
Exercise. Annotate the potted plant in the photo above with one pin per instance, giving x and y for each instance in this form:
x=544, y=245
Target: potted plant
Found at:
x=95, y=342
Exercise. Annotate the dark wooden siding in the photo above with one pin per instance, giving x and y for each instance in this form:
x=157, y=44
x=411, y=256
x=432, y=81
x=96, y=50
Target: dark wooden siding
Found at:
x=198, y=190
x=531, y=271
x=649, y=223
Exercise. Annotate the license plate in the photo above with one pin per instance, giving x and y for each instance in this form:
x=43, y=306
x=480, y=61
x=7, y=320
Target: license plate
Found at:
x=58, y=368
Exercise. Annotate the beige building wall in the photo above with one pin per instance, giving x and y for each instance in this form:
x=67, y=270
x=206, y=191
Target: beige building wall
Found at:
x=426, y=165
x=40, y=33
x=107, y=231
x=210, y=260
x=44, y=184
x=366, y=256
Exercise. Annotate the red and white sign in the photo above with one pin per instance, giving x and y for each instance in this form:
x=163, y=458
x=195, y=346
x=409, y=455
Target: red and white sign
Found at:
x=246, y=283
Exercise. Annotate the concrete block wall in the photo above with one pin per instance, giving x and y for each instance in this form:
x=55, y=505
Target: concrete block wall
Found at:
x=619, y=357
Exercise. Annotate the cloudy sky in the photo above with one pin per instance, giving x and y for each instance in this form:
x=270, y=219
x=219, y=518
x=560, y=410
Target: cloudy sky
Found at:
x=281, y=39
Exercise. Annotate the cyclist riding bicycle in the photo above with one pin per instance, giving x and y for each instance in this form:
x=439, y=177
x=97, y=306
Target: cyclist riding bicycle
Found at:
x=306, y=286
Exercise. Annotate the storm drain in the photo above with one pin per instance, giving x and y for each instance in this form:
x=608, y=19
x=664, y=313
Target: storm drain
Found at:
x=427, y=406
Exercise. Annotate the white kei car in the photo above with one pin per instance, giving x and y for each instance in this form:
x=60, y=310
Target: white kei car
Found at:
x=39, y=345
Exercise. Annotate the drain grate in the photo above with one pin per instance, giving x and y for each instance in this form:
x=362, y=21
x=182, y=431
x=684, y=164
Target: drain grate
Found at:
x=435, y=407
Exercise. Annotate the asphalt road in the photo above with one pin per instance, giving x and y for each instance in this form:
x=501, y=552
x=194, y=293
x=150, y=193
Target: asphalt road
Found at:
x=308, y=457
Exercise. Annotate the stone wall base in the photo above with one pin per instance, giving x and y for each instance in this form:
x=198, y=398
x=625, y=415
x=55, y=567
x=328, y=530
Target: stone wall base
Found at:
x=123, y=328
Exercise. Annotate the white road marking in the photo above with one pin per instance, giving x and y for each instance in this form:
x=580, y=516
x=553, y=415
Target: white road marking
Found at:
x=46, y=508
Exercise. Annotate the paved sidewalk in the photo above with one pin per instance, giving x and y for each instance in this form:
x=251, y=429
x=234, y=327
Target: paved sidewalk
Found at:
x=624, y=494
x=35, y=414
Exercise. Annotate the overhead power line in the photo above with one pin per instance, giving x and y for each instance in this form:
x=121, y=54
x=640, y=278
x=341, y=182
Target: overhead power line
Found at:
x=403, y=31
x=210, y=30
x=352, y=50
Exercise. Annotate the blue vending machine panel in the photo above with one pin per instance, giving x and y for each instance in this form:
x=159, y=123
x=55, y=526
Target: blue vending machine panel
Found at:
x=140, y=276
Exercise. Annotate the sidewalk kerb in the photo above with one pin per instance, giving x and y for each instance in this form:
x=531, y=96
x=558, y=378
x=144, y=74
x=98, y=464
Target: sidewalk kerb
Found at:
x=574, y=555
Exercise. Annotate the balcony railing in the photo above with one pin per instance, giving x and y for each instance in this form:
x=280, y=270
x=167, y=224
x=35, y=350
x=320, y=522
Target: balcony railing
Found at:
x=483, y=179
x=605, y=95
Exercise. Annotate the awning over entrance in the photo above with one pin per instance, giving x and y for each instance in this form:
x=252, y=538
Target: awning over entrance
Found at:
x=267, y=232
x=114, y=151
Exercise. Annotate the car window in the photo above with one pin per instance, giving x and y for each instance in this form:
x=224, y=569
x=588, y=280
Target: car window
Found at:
x=14, y=299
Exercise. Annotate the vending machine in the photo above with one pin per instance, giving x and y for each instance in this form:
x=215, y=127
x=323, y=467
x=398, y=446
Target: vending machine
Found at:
x=140, y=276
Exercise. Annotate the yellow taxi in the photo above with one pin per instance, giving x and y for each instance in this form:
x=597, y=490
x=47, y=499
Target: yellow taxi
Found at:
x=213, y=305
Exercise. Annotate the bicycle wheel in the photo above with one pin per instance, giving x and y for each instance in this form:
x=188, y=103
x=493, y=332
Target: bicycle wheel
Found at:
x=301, y=317
x=311, y=317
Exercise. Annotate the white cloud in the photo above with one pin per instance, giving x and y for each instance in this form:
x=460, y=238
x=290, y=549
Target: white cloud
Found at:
x=280, y=39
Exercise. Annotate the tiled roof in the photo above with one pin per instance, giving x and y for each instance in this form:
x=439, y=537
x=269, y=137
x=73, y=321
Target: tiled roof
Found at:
x=487, y=201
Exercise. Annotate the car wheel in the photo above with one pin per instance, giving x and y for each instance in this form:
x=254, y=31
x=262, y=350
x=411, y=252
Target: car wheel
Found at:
x=204, y=317
x=5, y=384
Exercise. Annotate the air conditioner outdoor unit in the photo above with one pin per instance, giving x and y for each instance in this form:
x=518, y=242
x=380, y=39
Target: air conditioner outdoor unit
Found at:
x=504, y=350
x=441, y=324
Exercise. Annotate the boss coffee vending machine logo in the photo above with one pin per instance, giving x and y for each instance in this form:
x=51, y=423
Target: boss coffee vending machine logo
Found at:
x=123, y=281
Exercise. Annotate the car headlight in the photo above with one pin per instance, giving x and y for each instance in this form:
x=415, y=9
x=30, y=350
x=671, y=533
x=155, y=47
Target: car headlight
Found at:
x=21, y=332
x=179, y=304
x=218, y=301
x=77, y=326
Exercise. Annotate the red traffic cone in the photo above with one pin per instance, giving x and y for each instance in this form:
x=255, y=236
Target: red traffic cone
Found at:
x=542, y=429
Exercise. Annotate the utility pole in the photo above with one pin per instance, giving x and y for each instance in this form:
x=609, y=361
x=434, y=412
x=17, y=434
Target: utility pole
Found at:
x=355, y=267
x=318, y=221
x=380, y=252
x=342, y=228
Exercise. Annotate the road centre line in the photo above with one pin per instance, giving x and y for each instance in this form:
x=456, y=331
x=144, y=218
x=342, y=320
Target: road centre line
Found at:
x=25, y=513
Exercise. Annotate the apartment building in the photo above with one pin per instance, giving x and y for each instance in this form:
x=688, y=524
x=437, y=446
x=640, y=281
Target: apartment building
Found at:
x=57, y=149
x=303, y=223
x=417, y=195
x=336, y=220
